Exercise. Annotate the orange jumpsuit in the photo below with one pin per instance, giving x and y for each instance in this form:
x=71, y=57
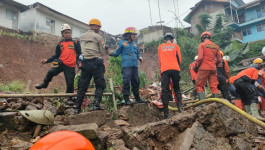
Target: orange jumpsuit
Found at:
x=192, y=72
x=208, y=57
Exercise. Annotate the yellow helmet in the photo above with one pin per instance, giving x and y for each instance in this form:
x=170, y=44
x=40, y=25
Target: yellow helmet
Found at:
x=222, y=53
x=95, y=22
x=258, y=61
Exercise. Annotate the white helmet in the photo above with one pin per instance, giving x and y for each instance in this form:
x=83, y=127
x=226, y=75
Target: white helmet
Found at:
x=227, y=58
x=65, y=27
x=196, y=57
x=263, y=51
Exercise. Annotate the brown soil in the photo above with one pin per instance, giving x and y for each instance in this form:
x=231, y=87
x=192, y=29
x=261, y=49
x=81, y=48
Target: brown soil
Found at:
x=21, y=60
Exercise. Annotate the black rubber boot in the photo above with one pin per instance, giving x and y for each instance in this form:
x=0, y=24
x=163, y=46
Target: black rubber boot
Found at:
x=179, y=102
x=41, y=86
x=77, y=111
x=138, y=99
x=201, y=97
x=70, y=101
x=97, y=105
x=166, y=111
x=127, y=100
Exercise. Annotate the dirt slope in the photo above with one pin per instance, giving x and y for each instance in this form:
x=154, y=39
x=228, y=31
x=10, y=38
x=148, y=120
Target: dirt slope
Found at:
x=21, y=59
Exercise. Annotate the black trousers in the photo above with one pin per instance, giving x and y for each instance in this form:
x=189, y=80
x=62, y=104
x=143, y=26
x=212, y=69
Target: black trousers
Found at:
x=166, y=76
x=223, y=87
x=69, y=74
x=130, y=77
x=246, y=91
x=91, y=68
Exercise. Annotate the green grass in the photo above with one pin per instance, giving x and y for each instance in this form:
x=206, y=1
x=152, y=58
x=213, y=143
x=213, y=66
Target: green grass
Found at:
x=14, y=86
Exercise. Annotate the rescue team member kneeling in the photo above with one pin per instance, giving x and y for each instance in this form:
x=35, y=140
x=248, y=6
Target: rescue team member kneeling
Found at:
x=129, y=55
x=208, y=57
x=244, y=82
x=64, y=60
x=92, y=65
x=169, y=57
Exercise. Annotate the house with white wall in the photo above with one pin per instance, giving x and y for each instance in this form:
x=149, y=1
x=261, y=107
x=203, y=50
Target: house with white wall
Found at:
x=40, y=18
x=10, y=13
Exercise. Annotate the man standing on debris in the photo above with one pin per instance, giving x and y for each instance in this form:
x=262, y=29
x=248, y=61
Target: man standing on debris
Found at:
x=193, y=77
x=223, y=75
x=64, y=60
x=169, y=58
x=92, y=65
x=208, y=57
x=130, y=55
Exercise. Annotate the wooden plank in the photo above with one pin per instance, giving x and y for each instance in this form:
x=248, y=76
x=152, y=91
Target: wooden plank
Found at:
x=47, y=95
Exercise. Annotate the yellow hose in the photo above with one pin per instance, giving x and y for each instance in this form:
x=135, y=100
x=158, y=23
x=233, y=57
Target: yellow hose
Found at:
x=229, y=105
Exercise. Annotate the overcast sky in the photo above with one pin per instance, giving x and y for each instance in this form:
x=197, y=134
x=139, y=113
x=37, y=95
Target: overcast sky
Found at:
x=116, y=15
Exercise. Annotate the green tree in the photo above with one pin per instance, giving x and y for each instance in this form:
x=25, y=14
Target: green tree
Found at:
x=204, y=22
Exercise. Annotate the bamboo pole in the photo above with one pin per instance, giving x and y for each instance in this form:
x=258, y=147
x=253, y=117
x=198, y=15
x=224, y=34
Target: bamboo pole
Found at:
x=113, y=94
x=47, y=95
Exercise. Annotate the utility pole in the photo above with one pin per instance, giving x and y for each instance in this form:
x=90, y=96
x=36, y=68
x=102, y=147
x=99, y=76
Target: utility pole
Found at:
x=150, y=13
x=160, y=21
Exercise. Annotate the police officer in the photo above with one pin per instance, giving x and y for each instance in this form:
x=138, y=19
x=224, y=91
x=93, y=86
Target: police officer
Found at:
x=92, y=65
x=65, y=58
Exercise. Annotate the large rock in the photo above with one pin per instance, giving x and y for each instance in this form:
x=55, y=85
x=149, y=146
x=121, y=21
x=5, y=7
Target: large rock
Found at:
x=87, y=130
x=98, y=117
x=223, y=121
x=8, y=121
x=240, y=144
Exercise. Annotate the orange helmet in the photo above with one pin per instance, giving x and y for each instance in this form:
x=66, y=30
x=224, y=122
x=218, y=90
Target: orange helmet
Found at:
x=206, y=35
x=95, y=22
x=66, y=140
x=132, y=30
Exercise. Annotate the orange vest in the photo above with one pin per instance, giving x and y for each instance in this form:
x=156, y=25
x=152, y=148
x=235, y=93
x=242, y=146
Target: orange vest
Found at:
x=167, y=56
x=68, y=53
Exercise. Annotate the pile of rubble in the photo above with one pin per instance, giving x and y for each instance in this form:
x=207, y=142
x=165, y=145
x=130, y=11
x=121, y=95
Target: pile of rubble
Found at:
x=140, y=126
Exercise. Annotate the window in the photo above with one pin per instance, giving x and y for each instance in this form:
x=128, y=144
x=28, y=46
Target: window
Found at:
x=260, y=27
x=246, y=32
x=260, y=12
x=48, y=22
x=10, y=15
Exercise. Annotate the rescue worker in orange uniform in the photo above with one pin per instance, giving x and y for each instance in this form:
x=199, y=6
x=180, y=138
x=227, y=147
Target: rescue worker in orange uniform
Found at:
x=244, y=83
x=208, y=57
x=193, y=77
x=63, y=140
x=66, y=55
x=223, y=75
x=169, y=57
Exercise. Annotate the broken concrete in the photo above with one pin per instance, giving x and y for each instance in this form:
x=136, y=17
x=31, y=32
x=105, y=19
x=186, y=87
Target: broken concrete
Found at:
x=8, y=121
x=87, y=130
x=98, y=117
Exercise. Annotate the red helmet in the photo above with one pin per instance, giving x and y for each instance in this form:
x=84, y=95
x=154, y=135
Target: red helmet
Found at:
x=132, y=30
x=206, y=35
x=66, y=140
